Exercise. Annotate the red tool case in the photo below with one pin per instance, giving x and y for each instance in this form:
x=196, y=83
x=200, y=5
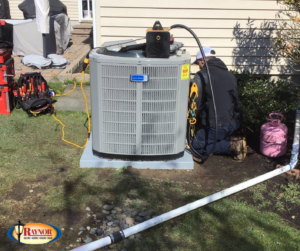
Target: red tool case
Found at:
x=7, y=97
x=6, y=34
x=7, y=71
x=5, y=54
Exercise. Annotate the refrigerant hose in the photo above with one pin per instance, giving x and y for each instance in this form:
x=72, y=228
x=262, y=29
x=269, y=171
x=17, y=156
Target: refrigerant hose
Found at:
x=193, y=151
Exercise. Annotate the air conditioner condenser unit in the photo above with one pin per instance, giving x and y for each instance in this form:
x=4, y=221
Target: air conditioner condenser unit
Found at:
x=139, y=104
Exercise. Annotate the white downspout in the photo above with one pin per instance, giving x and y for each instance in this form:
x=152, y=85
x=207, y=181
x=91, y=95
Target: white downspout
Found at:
x=94, y=24
x=80, y=10
x=119, y=236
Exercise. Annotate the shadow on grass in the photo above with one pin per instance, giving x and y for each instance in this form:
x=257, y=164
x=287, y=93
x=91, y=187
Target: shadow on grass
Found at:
x=223, y=225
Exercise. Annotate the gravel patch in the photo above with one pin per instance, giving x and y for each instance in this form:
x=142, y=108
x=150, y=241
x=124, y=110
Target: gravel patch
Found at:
x=114, y=219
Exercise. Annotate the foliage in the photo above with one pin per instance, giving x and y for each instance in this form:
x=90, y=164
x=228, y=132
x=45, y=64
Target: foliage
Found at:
x=279, y=206
x=122, y=170
x=291, y=193
x=286, y=42
x=291, y=4
x=78, y=82
x=264, y=95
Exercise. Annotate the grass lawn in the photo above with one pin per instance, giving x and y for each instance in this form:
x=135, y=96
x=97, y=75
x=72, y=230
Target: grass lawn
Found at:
x=33, y=157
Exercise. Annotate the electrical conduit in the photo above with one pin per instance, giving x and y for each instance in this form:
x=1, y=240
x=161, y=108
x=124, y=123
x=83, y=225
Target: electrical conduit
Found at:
x=119, y=236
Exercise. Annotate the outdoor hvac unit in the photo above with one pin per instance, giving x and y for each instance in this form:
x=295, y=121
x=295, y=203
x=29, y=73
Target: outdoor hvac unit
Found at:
x=138, y=117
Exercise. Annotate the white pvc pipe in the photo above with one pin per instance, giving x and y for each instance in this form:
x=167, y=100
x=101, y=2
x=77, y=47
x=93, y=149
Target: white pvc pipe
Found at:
x=199, y=203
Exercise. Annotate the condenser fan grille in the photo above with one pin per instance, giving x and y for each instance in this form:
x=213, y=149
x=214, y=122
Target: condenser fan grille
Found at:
x=118, y=109
x=139, y=104
x=159, y=97
x=161, y=72
x=139, y=118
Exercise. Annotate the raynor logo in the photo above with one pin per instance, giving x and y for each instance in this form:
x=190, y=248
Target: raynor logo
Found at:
x=37, y=232
x=34, y=233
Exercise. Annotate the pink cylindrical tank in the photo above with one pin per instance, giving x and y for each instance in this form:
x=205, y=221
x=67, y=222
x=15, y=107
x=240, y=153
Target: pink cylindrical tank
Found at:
x=273, y=137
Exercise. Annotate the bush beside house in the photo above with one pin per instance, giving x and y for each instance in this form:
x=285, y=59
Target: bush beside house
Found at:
x=264, y=95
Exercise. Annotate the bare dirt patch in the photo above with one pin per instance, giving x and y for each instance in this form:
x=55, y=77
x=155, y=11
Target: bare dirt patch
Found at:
x=218, y=173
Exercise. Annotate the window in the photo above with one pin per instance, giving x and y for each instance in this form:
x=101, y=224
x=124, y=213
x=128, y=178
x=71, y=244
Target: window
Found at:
x=85, y=9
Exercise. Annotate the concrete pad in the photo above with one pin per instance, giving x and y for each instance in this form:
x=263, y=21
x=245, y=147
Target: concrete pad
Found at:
x=75, y=100
x=89, y=160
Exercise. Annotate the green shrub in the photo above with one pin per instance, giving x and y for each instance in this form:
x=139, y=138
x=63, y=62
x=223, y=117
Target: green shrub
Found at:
x=262, y=96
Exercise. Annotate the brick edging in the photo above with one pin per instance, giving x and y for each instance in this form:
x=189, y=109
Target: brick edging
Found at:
x=68, y=72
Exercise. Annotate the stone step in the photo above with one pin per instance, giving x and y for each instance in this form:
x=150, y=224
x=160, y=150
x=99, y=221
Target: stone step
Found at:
x=82, y=32
x=87, y=21
x=81, y=36
x=83, y=26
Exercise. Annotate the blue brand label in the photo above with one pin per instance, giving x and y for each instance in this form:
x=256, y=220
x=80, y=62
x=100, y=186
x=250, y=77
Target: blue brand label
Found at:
x=139, y=78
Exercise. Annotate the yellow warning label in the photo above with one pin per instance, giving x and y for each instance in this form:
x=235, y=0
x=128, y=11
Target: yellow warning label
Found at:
x=185, y=71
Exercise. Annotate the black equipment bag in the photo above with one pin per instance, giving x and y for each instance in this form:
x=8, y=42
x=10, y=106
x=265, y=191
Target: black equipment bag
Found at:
x=4, y=9
x=6, y=35
x=28, y=8
x=33, y=94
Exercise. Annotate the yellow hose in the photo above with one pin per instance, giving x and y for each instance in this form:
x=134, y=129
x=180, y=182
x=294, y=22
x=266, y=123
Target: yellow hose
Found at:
x=87, y=111
x=59, y=95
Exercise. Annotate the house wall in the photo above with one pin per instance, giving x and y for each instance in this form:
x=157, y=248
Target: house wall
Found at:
x=14, y=10
x=72, y=8
x=239, y=30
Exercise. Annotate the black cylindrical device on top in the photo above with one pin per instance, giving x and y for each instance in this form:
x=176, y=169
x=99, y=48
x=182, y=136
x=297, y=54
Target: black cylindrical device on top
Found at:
x=158, y=42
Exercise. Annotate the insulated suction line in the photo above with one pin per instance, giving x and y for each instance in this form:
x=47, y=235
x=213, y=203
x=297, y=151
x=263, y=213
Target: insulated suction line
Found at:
x=192, y=150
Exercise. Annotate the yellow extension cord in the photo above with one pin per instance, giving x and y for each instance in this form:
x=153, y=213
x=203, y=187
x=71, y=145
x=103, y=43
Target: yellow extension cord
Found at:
x=87, y=111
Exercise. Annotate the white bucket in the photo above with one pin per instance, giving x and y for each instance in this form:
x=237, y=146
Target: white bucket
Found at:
x=87, y=15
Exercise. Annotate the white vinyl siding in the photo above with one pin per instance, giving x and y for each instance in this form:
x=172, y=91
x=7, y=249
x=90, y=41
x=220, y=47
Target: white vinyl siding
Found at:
x=218, y=23
x=72, y=8
x=14, y=9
